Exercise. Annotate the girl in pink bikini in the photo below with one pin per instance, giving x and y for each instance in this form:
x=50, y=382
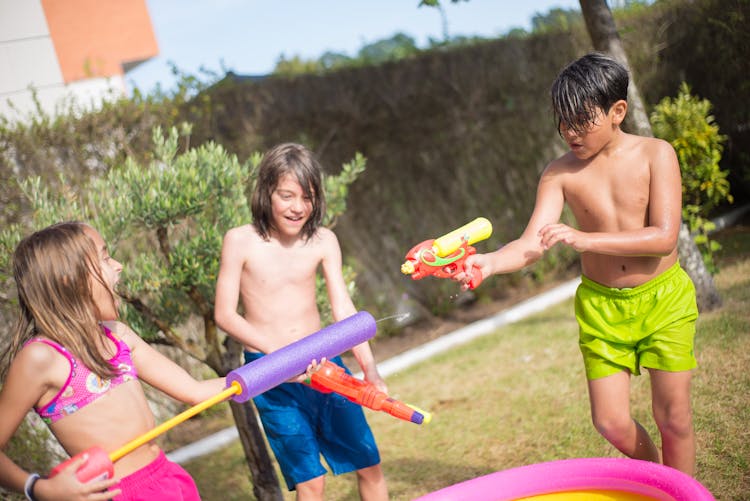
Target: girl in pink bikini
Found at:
x=78, y=368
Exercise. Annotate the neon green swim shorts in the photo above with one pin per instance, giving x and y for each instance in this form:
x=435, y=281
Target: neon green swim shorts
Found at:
x=652, y=325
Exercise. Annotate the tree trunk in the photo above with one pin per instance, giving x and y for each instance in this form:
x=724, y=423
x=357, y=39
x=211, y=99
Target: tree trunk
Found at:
x=603, y=32
x=705, y=289
x=601, y=27
x=265, y=482
x=262, y=473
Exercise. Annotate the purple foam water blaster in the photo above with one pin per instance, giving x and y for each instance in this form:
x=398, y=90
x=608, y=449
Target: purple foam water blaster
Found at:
x=281, y=365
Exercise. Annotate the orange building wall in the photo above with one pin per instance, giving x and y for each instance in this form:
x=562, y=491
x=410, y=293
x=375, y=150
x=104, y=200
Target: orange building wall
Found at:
x=94, y=38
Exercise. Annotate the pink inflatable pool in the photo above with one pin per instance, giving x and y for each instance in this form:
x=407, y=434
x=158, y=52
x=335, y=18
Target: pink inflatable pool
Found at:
x=575, y=479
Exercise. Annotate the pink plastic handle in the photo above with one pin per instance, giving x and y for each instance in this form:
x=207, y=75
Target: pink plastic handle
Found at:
x=98, y=466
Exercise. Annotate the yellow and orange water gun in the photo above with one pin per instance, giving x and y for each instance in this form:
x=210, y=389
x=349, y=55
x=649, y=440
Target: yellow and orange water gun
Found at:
x=444, y=257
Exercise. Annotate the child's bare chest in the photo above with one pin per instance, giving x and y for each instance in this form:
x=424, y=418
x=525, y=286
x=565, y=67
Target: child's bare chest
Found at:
x=284, y=265
x=609, y=196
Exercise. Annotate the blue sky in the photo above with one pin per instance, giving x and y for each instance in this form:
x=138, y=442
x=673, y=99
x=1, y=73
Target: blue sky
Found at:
x=249, y=36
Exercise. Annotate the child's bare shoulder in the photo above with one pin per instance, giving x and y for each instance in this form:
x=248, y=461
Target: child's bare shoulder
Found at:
x=561, y=164
x=660, y=146
x=648, y=145
x=657, y=153
x=242, y=235
x=325, y=233
x=39, y=359
x=38, y=355
x=121, y=331
x=326, y=237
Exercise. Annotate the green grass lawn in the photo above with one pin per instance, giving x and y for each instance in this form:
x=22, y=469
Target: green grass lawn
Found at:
x=518, y=397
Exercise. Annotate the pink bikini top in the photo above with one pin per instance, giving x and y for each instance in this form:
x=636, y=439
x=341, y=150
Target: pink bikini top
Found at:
x=84, y=386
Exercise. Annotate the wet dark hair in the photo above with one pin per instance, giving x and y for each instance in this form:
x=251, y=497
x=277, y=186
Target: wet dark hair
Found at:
x=592, y=82
x=283, y=159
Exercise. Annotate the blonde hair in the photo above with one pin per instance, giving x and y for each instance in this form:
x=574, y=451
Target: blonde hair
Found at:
x=53, y=269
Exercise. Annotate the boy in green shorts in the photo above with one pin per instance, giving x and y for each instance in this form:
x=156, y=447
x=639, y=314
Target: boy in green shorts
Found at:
x=635, y=306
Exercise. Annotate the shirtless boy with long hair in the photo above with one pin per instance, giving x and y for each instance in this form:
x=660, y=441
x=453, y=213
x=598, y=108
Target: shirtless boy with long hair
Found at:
x=270, y=268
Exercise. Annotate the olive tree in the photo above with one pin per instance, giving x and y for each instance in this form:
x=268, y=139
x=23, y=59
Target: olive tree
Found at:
x=165, y=222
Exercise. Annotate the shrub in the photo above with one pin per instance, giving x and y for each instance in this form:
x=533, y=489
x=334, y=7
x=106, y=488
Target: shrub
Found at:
x=686, y=122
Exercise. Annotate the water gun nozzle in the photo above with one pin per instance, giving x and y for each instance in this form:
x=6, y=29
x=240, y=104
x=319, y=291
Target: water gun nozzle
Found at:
x=407, y=268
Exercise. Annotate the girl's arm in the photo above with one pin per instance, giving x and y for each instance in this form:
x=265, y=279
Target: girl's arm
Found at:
x=162, y=373
x=24, y=386
x=342, y=305
x=528, y=248
x=29, y=378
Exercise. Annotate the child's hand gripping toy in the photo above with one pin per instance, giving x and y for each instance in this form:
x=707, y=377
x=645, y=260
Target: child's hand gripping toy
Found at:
x=243, y=383
x=444, y=257
x=332, y=378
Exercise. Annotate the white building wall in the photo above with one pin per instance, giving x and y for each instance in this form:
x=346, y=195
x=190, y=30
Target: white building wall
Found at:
x=28, y=61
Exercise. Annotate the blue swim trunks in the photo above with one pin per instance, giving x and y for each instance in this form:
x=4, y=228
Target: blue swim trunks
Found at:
x=301, y=424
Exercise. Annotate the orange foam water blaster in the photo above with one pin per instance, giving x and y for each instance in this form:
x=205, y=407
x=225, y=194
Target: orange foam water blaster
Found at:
x=332, y=378
x=444, y=257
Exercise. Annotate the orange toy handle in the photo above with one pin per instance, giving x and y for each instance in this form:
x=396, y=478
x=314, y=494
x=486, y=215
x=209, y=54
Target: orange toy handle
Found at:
x=332, y=378
x=476, y=277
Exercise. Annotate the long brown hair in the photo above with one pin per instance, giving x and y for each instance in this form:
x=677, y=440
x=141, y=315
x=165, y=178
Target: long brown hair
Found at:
x=282, y=159
x=53, y=269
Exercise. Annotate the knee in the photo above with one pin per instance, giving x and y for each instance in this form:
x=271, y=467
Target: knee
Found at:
x=371, y=474
x=674, y=421
x=371, y=483
x=613, y=427
x=311, y=489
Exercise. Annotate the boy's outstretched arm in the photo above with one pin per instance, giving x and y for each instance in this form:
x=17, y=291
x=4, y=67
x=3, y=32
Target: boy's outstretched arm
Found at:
x=343, y=307
x=527, y=248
